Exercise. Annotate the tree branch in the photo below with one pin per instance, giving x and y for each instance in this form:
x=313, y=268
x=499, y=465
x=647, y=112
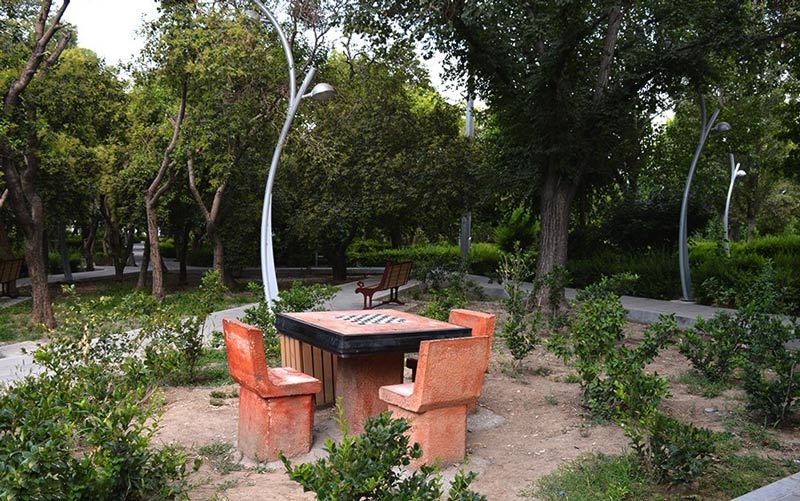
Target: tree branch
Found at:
x=3, y=198
x=194, y=190
x=612, y=36
x=153, y=190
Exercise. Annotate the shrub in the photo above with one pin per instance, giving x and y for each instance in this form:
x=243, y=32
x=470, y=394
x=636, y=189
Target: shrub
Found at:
x=715, y=346
x=523, y=324
x=82, y=428
x=297, y=298
x=369, y=467
x=771, y=378
x=483, y=257
x=520, y=230
x=674, y=452
x=167, y=248
x=54, y=261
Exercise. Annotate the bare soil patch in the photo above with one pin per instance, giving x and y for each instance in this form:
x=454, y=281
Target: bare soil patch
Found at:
x=525, y=427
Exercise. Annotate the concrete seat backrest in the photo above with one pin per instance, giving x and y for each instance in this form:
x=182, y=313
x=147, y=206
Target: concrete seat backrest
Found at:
x=482, y=324
x=449, y=372
x=246, y=359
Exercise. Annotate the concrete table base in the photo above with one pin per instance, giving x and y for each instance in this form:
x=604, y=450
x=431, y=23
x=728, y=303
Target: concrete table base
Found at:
x=358, y=380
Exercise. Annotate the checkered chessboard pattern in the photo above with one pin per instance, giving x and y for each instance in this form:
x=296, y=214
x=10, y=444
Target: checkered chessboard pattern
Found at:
x=371, y=318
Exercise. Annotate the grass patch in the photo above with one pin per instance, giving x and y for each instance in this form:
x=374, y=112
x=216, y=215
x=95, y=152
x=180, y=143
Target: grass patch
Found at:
x=542, y=371
x=738, y=475
x=572, y=378
x=698, y=384
x=220, y=456
x=211, y=370
x=599, y=476
x=752, y=433
x=16, y=325
x=591, y=478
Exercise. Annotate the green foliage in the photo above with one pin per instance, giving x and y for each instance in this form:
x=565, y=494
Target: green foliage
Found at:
x=599, y=476
x=770, y=374
x=674, y=452
x=521, y=329
x=484, y=258
x=519, y=230
x=715, y=346
x=594, y=477
x=82, y=428
x=369, y=467
x=442, y=301
x=54, y=265
x=297, y=298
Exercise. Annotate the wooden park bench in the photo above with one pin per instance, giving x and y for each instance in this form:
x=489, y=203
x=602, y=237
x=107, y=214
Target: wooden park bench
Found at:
x=9, y=273
x=395, y=275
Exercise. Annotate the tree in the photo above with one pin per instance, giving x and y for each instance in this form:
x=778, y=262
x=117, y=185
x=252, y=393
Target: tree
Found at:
x=568, y=80
x=236, y=83
x=20, y=137
x=383, y=154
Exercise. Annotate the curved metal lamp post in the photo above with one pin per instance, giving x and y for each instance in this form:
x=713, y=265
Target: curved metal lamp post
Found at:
x=320, y=92
x=735, y=172
x=683, y=245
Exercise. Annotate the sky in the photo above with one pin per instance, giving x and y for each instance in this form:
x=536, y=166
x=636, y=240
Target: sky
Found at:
x=108, y=27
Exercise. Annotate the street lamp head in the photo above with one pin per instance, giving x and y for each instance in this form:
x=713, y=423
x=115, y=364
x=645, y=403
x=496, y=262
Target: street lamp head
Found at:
x=741, y=173
x=321, y=92
x=253, y=14
x=721, y=127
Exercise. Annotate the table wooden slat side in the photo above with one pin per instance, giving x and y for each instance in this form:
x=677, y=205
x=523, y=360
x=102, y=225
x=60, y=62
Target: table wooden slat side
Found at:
x=312, y=361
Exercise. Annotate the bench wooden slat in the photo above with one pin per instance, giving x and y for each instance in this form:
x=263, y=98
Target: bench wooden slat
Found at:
x=394, y=276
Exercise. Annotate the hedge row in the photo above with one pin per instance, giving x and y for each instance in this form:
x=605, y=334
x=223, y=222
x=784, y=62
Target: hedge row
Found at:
x=484, y=258
x=716, y=278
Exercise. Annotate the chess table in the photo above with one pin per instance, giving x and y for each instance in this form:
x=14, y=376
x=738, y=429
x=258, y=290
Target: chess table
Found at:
x=356, y=352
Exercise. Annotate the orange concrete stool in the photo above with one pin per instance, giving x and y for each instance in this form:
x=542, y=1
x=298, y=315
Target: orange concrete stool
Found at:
x=276, y=406
x=482, y=324
x=449, y=378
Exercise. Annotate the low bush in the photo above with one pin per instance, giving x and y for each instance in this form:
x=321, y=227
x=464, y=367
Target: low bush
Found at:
x=54, y=265
x=521, y=330
x=715, y=346
x=369, y=466
x=82, y=428
x=484, y=258
x=167, y=248
x=297, y=298
x=519, y=231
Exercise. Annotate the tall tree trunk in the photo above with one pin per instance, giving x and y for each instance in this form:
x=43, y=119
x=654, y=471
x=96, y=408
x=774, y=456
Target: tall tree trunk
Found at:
x=64, y=252
x=35, y=259
x=21, y=168
x=182, y=253
x=89, y=234
x=141, y=282
x=157, y=189
x=154, y=251
x=338, y=259
x=557, y=195
x=6, y=252
x=211, y=217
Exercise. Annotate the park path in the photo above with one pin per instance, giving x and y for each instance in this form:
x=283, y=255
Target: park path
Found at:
x=16, y=360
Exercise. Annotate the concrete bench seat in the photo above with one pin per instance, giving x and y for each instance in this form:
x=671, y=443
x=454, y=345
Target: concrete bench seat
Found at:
x=276, y=406
x=449, y=380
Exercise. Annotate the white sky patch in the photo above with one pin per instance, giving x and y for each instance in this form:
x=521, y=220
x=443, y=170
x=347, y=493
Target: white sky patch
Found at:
x=108, y=27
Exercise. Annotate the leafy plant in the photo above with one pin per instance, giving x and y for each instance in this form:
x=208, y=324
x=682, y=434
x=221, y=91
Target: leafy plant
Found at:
x=520, y=330
x=297, y=298
x=771, y=378
x=82, y=428
x=369, y=466
x=518, y=231
x=715, y=346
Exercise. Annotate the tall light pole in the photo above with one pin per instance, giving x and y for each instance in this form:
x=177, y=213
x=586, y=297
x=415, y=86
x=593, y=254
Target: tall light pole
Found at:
x=683, y=244
x=735, y=172
x=320, y=92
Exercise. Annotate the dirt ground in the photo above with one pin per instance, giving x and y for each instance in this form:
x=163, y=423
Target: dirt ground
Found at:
x=525, y=428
